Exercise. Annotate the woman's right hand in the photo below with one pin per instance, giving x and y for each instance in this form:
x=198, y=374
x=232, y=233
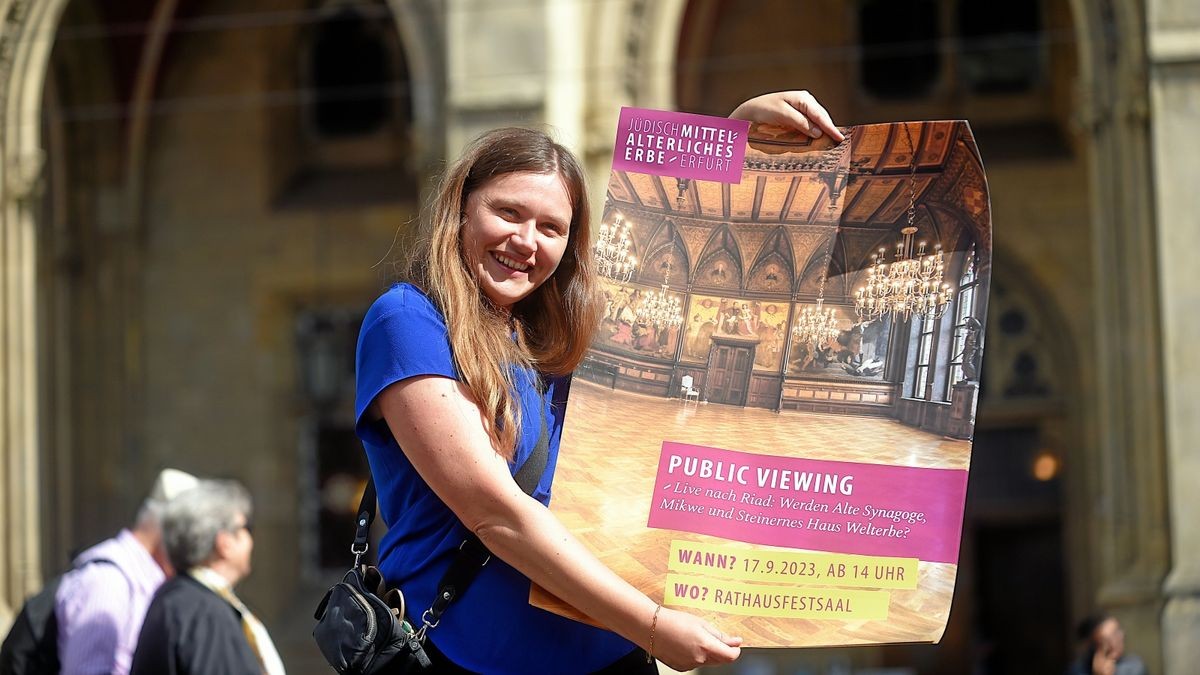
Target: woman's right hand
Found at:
x=683, y=641
x=794, y=109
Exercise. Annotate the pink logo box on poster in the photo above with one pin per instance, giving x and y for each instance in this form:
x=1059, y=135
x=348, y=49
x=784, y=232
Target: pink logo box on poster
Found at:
x=681, y=145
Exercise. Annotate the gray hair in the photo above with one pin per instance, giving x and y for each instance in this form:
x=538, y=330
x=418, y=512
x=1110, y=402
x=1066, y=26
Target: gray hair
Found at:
x=192, y=520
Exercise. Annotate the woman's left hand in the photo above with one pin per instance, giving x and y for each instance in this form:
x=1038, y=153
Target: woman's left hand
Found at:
x=797, y=109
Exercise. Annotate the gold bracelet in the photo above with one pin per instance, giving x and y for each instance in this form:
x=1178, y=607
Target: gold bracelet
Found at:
x=653, y=625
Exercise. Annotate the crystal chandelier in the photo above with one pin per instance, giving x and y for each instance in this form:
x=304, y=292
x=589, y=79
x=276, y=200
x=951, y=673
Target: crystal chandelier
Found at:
x=912, y=285
x=909, y=286
x=612, y=252
x=817, y=325
x=659, y=309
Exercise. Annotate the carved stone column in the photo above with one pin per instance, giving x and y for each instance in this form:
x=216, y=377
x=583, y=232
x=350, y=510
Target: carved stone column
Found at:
x=498, y=66
x=422, y=28
x=1125, y=474
x=1174, y=49
x=24, y=52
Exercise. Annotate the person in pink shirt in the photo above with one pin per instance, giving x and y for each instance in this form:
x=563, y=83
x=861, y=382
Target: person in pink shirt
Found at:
x=102, y=601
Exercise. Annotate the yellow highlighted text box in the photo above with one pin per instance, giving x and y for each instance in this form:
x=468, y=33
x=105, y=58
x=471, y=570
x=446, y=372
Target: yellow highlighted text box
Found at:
x=792, y=567
x=786, y=602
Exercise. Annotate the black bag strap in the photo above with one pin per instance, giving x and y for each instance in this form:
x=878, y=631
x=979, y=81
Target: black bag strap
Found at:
x=362, y=522
x=472, y=555
x=530, y=473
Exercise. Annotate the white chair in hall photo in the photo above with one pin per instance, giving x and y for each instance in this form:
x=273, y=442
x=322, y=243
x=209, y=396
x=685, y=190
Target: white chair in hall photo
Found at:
x=686, y=390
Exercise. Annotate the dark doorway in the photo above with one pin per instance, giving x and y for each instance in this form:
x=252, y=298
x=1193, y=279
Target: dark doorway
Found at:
x=729, y=363
x=1014, y=511
x=1020, y=596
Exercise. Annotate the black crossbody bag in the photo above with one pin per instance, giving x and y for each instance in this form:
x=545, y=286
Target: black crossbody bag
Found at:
x=362, y=627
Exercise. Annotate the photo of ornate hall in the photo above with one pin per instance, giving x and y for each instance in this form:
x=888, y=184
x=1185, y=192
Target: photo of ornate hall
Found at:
x=771, y=293
x=829, y=306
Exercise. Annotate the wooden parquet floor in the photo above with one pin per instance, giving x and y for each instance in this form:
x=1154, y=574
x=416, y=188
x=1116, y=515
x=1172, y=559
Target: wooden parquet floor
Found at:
x=605, y=479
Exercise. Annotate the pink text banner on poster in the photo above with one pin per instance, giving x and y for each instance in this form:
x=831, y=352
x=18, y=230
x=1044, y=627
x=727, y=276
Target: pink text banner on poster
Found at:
x=680, y=145
x=843, y=507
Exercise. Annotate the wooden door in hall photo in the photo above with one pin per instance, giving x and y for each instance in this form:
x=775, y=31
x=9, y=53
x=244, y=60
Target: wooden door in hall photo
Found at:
x=729, y=364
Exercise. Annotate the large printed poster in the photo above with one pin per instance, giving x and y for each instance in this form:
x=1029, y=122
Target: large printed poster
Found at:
x=773, y=426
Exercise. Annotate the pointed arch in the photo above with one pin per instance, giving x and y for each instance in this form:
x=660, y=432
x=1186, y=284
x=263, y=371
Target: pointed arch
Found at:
x=773, y=268
x=720, y=263
x=808, y=280
x=665, y=248
x=839, y=281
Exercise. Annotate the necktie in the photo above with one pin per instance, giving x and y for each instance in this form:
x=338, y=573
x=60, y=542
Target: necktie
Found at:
x=256, y=635
x=256, y=632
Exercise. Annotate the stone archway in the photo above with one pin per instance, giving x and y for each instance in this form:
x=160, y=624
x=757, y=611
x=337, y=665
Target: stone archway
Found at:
x=27, y=39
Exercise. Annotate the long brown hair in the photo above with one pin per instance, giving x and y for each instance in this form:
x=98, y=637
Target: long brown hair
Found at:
x=554, y=324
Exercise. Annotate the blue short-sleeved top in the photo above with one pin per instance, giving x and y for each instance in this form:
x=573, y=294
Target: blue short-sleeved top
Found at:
x=491, y=628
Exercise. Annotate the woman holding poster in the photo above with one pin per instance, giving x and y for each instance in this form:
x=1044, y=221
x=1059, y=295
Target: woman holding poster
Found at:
x=463, y=373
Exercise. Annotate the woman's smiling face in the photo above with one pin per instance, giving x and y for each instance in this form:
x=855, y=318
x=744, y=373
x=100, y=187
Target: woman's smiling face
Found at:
x=515, y=232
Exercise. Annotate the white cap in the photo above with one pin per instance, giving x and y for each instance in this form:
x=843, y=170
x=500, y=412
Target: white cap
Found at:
x=171, y=483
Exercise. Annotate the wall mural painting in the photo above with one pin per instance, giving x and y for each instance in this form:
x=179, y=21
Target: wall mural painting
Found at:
x=704, y=317
x=859, y=350
x=719, y=270
x=736, y=317
x=772, y=277
x=621, y=330
x=771, y=319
